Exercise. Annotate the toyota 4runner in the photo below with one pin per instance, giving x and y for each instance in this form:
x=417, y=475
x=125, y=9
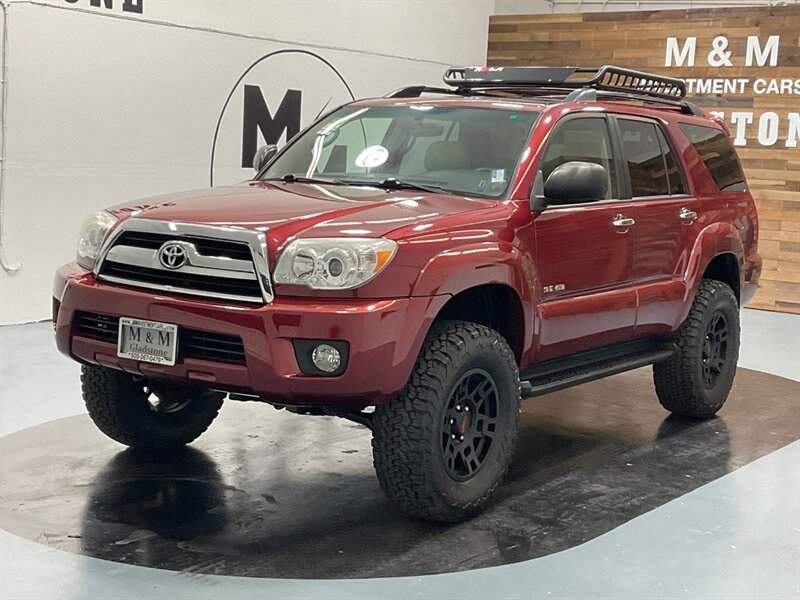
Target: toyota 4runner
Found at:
x=421, y=262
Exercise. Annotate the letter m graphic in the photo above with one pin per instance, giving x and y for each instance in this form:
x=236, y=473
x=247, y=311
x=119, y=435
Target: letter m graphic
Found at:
x=677, y=56
x=258, y=118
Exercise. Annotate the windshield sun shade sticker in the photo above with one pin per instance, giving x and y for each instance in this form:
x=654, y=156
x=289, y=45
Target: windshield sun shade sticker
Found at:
x=371, y=157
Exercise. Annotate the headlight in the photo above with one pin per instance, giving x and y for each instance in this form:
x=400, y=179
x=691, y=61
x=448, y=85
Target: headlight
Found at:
x=93, y=232
x=333, y=263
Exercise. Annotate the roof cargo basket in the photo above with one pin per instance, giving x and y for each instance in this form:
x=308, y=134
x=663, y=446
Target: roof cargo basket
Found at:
x=606, y=79
x=570, y=84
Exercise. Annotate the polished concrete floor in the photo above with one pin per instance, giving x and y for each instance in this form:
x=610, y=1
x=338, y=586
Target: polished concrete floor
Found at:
x=606, y=497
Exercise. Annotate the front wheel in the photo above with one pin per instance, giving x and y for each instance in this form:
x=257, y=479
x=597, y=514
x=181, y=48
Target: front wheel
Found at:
x=143, y=414
x=442, y=446
x=695, y=382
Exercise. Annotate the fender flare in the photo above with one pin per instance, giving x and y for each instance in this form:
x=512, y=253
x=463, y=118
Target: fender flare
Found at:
x=715, y=240
x=468, y=266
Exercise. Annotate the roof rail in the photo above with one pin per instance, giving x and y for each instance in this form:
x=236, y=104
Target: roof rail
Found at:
x=415, y=91
x=591, y=95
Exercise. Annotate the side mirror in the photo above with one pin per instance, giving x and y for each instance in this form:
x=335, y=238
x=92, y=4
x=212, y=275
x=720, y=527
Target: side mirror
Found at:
x=263, y=156
x=576, y=181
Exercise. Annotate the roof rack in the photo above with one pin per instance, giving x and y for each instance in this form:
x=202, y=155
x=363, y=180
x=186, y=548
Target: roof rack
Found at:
x=584, y=84
x=607, y=78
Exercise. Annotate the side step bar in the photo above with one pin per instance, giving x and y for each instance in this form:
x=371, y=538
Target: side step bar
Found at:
x=546, y=378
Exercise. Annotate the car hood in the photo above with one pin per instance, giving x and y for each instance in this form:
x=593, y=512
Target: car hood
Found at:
x=288, y=210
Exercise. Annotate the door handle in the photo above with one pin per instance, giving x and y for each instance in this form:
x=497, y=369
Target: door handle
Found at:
x=687, y=214
x=622, y=221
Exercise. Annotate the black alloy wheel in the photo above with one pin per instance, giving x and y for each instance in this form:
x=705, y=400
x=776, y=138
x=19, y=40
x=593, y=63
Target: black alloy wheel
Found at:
x=715, y=349
x=167, y=403
x=470, y=424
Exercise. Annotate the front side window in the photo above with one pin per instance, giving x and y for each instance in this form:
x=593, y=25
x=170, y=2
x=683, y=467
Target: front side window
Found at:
x=583, y=139
x=472, y=151
x=716, y=150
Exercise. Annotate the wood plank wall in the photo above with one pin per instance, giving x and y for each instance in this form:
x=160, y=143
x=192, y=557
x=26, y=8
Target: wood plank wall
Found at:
x=638, y=40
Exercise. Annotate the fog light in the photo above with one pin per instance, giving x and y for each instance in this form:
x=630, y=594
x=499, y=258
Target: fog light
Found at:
x=326, y=358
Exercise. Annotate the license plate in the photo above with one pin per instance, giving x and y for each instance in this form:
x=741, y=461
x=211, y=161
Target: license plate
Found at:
x=147, y=341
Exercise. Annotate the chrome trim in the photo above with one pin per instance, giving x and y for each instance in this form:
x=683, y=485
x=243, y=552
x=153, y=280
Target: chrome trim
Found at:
x=179, y=290
x=623, y=221
x=255, y=240
x=625, y=201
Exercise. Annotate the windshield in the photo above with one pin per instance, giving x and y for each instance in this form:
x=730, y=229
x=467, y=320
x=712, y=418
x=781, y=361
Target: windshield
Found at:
x=471, y=151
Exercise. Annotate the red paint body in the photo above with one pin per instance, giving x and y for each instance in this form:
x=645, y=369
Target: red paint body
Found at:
x=618, y=285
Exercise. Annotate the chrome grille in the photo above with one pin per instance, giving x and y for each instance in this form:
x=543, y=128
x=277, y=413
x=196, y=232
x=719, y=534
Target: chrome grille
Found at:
x=233, y=287
x=216, y=262
x=205, y=246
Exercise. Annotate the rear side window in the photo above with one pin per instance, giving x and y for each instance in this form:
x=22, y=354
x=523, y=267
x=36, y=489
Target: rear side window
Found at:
x=676, y=185
x=642, y=153
x=650, y=161
x=716, y=150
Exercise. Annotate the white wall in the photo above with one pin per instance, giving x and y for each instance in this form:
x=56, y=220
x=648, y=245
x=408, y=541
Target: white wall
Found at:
x=106, y=106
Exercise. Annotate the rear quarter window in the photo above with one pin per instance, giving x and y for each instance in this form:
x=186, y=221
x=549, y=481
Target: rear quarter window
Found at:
x=716, y=150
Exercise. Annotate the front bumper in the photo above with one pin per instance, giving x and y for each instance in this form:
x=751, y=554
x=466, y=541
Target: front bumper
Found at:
x=384, y=337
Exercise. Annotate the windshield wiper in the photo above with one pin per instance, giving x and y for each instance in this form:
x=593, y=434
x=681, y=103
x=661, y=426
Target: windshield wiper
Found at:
x=291, y=178
x=387, y=184
x=396, y=184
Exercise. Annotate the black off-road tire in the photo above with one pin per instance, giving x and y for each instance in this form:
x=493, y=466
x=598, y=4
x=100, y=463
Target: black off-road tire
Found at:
x=119, y=407
x=695, y=382
x=409, y=444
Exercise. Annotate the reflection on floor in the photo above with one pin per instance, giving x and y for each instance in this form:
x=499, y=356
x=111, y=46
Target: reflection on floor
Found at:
x=269, y=494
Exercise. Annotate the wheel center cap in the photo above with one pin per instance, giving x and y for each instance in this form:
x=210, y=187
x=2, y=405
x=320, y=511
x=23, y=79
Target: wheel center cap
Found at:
x=462, y=424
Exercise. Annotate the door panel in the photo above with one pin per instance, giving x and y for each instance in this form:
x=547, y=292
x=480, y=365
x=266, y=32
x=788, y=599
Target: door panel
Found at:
x=584, y=260
x=667, y=223
x=664, y=241
x=585, y=266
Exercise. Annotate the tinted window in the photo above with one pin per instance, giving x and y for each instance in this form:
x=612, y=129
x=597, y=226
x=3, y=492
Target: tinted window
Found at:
x=716, y=150
x=473, y=151
x=676, y=185
x=350, y=139
x=641, y=150
x=414, y=162
x=583, y=139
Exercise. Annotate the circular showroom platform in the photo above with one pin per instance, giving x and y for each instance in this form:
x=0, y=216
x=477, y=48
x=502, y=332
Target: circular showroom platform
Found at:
x=265, y=493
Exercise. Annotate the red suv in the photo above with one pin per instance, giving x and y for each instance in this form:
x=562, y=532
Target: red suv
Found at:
x=419, y=263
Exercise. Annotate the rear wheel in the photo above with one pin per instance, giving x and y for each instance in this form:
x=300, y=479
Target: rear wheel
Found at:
x=147, y=414
x=442, y=446
x=696, y=381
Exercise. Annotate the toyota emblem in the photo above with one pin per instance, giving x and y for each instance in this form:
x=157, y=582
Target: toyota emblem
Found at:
x=172, y=255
